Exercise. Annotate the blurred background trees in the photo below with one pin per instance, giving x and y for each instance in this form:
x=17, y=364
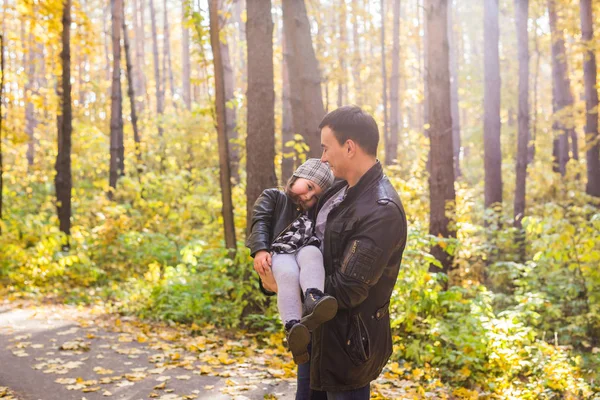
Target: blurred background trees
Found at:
x=484, y=108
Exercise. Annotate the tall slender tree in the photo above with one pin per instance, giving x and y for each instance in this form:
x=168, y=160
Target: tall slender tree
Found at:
x=30, y=120
x=185, y=56
x=562, y=97
x=260, y=141
x=287, y=132
x=592, y=138
x=521, y=17
x=491, y=105
x=225, y=174
x=1, y=117
x=230, y=109
x=63, y=179
x=442, y=196
x=388, y=157
x=454, y=89
x=131, y=93
x=391, y=146
x=305, y=80
x=167, y=64
x=536, y=75
x=139, y=77
x=157, y=81
x=342, y=52
x=356, y=57
x=116, y=108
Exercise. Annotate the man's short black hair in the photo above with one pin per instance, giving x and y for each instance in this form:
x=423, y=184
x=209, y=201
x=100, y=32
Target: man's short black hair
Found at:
x=351, y=122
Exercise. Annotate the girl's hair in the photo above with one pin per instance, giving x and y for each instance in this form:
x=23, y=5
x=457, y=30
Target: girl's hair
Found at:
x=289, y=184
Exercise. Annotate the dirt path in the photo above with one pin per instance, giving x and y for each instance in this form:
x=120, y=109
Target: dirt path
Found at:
x=57, y=352
x=61, y=352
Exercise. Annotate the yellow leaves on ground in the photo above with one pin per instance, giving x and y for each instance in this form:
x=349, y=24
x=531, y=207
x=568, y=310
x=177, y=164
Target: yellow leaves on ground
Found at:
x=102, y=371
x=75, y=345
x=465, y=394
x=6, y=394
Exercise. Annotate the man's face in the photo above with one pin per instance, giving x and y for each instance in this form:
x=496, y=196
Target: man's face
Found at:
x=334, y=153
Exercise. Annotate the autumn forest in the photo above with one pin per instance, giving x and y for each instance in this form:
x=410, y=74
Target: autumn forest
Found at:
x=135, y=136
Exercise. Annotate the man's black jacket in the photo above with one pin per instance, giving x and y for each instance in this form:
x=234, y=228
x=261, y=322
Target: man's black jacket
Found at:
x=364, y=240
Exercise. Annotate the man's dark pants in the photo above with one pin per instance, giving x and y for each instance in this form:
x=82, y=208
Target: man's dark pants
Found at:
x=305, y=393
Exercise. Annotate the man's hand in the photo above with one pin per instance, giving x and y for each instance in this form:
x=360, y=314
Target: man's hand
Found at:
x=262, y=262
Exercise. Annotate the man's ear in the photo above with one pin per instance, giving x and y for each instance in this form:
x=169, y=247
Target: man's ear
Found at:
x=350, y=147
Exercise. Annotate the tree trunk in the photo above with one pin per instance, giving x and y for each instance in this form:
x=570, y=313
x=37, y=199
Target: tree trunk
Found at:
x=239, y=7
x=491, y=105
x=454, y=90
x=305, y=81
x=230, y=109
x=441, y=180
x=562, y=99
x=592, y=140
x=260, y=142
x=389, y=157
x=342, y=50
x=288, y=154
x=139, y=77
x=63, y=180
x=159, y=91
x=421, y=56
x=106, y=49
x=391, y=147
x=1, y=117
x=30, y=121
x=185, y=57
x=168, y=67
x=356, y=58
x=225, y=176
x=131, y=94
x=425, y=108
x=536, y=74
x=116, y=108
x=521, y=17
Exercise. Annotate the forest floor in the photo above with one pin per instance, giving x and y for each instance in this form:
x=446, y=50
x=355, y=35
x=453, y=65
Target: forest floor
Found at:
x=52, y=351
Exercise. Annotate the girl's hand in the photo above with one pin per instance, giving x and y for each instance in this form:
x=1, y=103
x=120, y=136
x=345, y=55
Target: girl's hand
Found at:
x=268, y=280
x=262, y=261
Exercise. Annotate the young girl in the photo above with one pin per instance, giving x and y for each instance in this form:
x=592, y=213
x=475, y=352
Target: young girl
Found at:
x=281, y=235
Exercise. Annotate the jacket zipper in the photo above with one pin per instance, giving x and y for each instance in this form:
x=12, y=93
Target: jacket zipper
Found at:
x=349, y=256
x=286, y=228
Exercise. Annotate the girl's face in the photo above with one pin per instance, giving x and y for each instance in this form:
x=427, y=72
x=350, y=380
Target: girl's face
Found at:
x=305, y=192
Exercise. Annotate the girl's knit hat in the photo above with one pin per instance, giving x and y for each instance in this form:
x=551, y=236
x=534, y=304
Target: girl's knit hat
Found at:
x=315, y=170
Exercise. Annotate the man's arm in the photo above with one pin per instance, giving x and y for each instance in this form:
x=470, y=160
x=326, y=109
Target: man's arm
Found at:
x=366, y=255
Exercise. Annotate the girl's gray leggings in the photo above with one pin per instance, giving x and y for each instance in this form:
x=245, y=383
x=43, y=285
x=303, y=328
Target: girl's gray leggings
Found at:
x=294, y=272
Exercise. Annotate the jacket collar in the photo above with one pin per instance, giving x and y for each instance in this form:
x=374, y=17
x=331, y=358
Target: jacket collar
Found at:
x=374, y=174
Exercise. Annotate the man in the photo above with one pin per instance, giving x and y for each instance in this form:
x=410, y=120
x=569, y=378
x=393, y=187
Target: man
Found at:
x=362, y=227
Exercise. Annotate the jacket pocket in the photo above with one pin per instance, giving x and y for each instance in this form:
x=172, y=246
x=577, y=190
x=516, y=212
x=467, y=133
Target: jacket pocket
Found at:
x=358, y=344
x=360, y=261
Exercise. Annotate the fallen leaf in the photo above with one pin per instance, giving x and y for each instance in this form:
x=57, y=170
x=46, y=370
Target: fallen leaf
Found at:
x=66, y=381
x=102, y=371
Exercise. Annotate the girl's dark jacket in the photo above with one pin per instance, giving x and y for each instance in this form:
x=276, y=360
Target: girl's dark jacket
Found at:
x=273, y=213
x=364, y=240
